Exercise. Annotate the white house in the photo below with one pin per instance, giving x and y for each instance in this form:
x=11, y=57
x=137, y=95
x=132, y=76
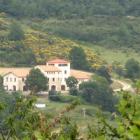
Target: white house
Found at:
x=57, y=71
x=14, y=78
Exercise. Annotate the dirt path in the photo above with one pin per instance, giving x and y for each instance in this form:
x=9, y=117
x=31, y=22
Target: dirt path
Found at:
x=125, y=86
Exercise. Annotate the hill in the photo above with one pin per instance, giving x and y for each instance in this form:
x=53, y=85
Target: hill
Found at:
x=109, y=28
x=37, y=47
x=113, y=24
x=69, y=8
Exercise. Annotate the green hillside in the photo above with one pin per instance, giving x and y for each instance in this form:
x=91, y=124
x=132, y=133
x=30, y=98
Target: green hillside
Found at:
x=53, y=27
x=108, y=23
x=37, y=47
x=69, y=8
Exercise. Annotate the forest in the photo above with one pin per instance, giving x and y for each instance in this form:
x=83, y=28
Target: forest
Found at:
x=70, y=8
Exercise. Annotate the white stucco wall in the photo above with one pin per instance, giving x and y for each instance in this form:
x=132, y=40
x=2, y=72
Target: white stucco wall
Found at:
x=10, y=81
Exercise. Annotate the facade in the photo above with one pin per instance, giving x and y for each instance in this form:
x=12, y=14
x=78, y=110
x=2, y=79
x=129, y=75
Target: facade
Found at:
x=57, y=71
x=14, y=78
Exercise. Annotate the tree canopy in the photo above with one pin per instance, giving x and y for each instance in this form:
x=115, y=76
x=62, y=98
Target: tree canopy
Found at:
x=78, y=59
x=71, y=82
x=98, y=92
x=16, y=32
x=1, y=82
x=36, y=81
x=132, y=69
x=69, y=8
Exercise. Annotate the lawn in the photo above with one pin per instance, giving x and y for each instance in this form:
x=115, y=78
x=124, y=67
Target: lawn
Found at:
x=76, y=115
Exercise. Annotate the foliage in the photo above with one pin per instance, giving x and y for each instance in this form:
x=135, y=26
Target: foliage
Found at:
x=18, y=119
x=132, y=69
x=37, y=45
x=25, y=55
x=1, y=82
x=57, y=97
x=69, y=131
x=69, y=9
x=109, y=32
x=123, y=126
x=98, y=92
x=16, y=32
x=71, y=82
x=118, y=69
x=54, y=96
x=104, y=72
x=78, y=59
x=36, y=81
x=137, y=86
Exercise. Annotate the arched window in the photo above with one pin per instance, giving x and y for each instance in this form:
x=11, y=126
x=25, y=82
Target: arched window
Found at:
x=63, y=88
x=14, y=88
x=53, y=87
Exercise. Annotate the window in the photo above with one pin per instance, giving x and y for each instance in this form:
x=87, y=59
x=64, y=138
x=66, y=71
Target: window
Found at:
x=23, y=79
x=65, y=72
x=51, y=64
x=14, y=88
x=10, y=79
x=7, y=79
x=15, y=79
x=63, y=65
x=53, y=79
x=63, y=88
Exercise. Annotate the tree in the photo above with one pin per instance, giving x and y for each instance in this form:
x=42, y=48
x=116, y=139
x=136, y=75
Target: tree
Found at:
x=16, y=32
x=98, y=92
x=132, y=69
x=124, y=125
x=36, y=81
x=78, y=59
x=1, y=82
x=72, y=83
x=103, y=71
x=137, y=86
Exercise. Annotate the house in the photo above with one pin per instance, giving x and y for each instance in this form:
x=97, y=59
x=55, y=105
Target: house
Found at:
x=57, y=71
x=14, y=78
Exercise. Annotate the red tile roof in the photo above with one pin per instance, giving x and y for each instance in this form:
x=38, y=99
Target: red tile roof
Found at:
x=81, y=74
x=19, y=72
x=48, y=68
x=59, y=61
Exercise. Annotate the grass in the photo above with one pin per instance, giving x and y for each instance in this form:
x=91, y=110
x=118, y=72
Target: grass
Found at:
x=76, y=115
x=111, y=55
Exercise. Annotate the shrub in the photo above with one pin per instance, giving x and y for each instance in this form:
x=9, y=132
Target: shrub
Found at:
x=53, y=96
x=57, y=97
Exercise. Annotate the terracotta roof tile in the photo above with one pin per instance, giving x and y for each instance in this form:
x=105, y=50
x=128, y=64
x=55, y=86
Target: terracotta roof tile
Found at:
x=19, y=72
x=59, y=61
x=80, y=74
x=49, y=68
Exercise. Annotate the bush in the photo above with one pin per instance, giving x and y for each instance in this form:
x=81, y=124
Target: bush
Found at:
x=57, y=97
x=74, y=92
x=53, y=96
x=132, y=69
x=66, y=99
x=16, y=32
